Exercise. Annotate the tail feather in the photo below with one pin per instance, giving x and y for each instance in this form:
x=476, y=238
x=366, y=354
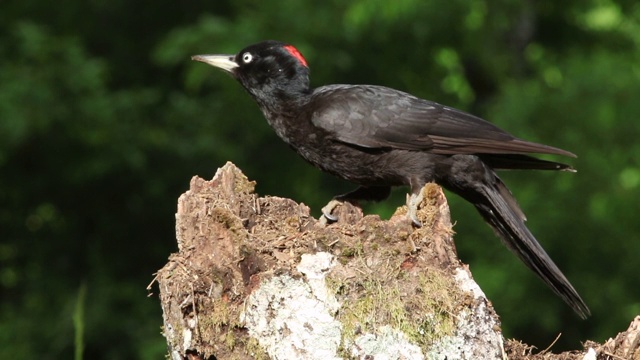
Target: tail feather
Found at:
x=507, y=221
x=511, y=201
x=522, y=162
x=500, y=210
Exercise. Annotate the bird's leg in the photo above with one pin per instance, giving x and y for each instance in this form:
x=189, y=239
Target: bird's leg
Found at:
x=413, y=200
x=366, y=193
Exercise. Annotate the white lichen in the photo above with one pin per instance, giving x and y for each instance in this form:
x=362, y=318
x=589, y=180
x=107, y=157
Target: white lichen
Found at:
x=294, y=319
x=475, y=335
x=387, y=344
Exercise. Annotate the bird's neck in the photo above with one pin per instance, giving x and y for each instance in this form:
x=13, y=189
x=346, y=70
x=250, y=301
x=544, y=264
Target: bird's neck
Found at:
x=282, y=100
x=281, y=109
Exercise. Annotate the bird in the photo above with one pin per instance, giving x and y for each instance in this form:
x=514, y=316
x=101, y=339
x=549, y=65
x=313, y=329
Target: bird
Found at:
x=378, y=138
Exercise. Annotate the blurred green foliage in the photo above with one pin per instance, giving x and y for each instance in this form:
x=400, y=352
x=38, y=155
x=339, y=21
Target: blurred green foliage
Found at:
x=104, y=119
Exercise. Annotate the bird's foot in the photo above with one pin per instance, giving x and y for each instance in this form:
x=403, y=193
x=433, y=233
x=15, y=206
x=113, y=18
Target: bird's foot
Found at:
x=413, y=201
x=326, y=217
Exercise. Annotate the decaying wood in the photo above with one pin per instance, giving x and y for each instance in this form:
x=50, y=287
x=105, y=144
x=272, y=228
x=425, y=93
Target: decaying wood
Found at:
x=259, y=278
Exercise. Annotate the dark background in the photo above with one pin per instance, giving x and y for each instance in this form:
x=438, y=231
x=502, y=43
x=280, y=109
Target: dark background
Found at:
x=104, y=120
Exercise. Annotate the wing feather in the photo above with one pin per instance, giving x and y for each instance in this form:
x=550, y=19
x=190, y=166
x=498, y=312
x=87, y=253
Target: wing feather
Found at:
x=376, y=116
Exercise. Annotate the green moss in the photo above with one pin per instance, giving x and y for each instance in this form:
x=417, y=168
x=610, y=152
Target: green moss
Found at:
x=218, y=322
x=356, y=250
x=241, y=183
x=255, y=350
x=436, y=299
x=230, y=340
x=221, y=315
x=228, y=219
x=337, y=286
x=423, y=315
x=293, y=221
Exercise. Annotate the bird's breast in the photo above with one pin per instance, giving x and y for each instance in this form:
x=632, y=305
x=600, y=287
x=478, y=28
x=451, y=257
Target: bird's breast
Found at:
x=369, y=167
x=360, y=165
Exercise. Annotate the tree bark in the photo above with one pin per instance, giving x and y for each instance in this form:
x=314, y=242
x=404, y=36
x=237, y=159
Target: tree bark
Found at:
x=259, y=278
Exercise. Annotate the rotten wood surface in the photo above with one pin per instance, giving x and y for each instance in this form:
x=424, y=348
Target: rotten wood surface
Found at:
x=260, y=278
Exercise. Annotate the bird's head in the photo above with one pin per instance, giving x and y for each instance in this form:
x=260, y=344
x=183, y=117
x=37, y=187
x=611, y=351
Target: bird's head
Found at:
x=268, y=69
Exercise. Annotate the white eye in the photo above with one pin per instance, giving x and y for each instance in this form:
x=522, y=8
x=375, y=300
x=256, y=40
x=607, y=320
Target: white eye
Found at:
x=247, y=57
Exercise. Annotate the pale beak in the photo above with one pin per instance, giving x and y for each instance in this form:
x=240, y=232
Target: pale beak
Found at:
x=224, y=62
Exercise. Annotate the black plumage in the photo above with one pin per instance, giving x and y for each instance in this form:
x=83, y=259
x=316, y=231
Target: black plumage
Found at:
x=378, y=137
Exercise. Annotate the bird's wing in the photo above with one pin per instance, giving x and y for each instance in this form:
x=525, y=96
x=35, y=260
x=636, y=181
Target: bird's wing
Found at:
x=380, y=117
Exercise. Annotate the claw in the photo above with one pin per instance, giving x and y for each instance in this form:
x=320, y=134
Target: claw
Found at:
x=329, y=217
x=417, y=223
x=326, y=211
x=413, y=201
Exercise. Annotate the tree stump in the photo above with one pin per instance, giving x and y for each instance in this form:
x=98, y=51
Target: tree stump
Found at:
x=259, y=278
